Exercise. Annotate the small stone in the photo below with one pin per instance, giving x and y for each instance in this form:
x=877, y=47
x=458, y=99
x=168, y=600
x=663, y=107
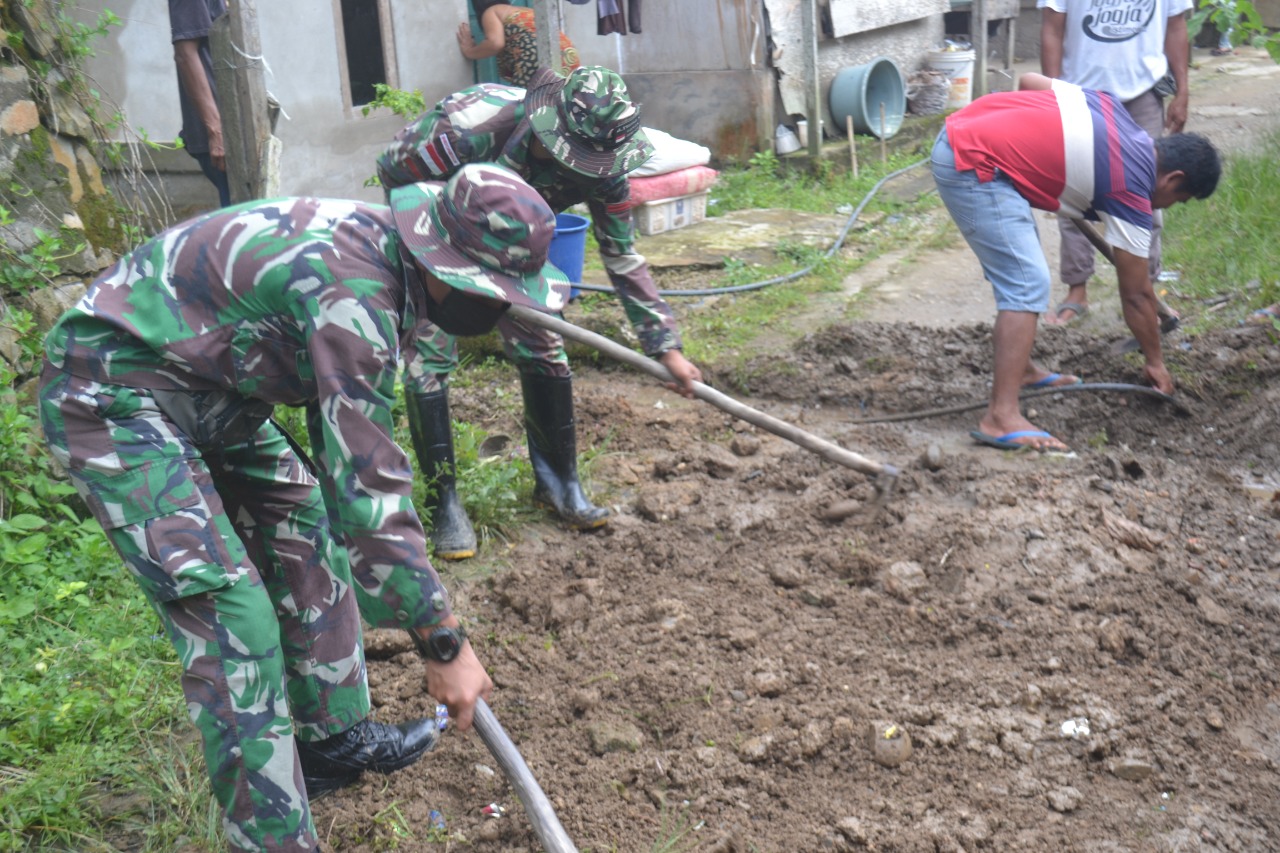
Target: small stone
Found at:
x=769, y=683
x=785, y=576
x=1212, y=612
x=891, y=745
x=1065, y=799
x=755, y=749
x=744, y=445
x=933, y=458
x=815, y=597
x=840, y=510
x=584, y=700
x=1112, y=638
x=853, y=831
x=904, y=580
x=720, y=463
x=614, y=737
x=490, y=830
x=1214, y=721
x=1132, y=769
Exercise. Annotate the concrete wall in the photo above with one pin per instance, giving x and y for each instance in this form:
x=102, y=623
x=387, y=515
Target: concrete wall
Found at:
x=701, y=70
x=698, y=69
x=329, y=147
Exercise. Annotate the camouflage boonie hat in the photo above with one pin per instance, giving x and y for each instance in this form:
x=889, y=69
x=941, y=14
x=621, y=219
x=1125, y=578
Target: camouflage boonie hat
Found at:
x=587, y=121
x=484, y=232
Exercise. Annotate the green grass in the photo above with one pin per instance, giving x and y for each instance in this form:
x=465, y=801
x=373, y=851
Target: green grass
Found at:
x=728, y=332
x=765, y=183
x=88, y=682
x=1226, y=246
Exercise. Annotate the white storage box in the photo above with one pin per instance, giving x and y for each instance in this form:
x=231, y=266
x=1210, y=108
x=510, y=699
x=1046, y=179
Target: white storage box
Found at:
x=667, y=214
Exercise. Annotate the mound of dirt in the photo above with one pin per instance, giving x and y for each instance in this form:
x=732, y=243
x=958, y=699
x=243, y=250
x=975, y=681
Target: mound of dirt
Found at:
x=1081, y=651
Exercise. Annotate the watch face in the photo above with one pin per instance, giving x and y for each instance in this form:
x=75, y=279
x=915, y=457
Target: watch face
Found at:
x=445, y=644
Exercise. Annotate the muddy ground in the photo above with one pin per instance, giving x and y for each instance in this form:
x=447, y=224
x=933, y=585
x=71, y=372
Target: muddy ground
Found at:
x=1083, y=652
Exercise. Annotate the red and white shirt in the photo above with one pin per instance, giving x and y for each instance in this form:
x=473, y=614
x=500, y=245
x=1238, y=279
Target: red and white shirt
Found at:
x=1066, y=149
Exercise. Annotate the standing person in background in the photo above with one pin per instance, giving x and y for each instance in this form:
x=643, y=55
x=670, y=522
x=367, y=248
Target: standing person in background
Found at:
x=1225, y=48
x=573, y=140
x=1127, y=48
x=190, y=22
x=510, y=34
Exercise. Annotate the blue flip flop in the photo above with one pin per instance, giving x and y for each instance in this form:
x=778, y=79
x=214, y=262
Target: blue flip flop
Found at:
x=1007, y=442
x=1048, y=381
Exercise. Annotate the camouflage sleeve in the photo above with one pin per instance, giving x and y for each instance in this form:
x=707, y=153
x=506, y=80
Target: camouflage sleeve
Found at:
x=369, y=480
x=650, y=316
x=470, y=126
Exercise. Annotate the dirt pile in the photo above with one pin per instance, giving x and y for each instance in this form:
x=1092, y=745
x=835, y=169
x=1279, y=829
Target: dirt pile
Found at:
x=1082, y=652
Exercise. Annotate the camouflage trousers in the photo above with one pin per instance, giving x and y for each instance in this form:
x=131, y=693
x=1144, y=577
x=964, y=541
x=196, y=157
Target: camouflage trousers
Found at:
x=232, y=548
x=532, y=348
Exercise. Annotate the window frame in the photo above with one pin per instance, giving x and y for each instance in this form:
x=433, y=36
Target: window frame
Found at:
x=390, y=67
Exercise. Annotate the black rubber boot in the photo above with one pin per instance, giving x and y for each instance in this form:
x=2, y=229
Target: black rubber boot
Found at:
x=337, y=761
x=553, y=450
x=452, y=537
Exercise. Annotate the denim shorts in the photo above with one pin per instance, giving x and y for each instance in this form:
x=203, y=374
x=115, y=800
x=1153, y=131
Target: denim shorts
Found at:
x=1000, y=227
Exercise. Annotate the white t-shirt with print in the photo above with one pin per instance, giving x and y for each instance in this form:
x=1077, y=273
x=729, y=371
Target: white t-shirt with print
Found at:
x=1115, y=46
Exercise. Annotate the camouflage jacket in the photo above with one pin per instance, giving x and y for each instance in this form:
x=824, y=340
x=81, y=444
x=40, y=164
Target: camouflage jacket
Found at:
x=295, y=302
x=486, y=123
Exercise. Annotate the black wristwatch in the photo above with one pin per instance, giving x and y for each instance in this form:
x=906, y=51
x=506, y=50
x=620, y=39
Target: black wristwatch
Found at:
x=442, y=644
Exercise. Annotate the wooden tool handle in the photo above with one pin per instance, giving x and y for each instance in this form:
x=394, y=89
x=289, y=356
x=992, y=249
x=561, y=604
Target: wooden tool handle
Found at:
x=808, y=441
x=541, y=815
x=1104, y=248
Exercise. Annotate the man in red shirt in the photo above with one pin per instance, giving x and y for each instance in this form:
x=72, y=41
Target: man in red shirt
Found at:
x=1054, y=146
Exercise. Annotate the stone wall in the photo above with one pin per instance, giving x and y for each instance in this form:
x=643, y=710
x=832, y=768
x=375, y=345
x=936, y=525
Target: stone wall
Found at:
x=59, y=224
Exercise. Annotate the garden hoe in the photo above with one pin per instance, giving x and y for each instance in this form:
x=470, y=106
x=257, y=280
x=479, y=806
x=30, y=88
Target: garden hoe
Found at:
x=886, y=476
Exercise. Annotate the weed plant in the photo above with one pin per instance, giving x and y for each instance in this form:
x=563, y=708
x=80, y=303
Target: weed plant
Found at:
x=1234, y=253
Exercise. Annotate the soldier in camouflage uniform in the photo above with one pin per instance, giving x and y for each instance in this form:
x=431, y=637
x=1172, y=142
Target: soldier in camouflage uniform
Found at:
x=573, y=139
x=156, y=394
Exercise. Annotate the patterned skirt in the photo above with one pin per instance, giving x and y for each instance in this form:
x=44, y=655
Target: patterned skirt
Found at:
x=518, y=60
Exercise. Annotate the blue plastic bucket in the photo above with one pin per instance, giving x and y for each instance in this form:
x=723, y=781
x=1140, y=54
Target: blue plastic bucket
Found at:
x=859, y=91
x=569, y=246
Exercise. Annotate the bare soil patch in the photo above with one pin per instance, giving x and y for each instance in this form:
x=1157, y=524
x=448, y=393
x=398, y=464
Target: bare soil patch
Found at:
x=716, y=661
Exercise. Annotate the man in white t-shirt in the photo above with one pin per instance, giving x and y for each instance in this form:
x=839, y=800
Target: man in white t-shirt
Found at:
x=1125, y=47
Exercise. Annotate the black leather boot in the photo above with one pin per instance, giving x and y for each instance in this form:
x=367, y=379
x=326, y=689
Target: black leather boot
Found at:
x=337, y=761
x=452, y=537
x=553, y=450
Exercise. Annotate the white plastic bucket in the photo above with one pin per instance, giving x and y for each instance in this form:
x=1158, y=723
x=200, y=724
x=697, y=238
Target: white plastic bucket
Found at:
x=958, y=66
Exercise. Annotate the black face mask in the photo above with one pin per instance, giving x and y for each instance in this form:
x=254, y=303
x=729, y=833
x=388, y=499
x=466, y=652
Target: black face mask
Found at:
x=463, y=316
